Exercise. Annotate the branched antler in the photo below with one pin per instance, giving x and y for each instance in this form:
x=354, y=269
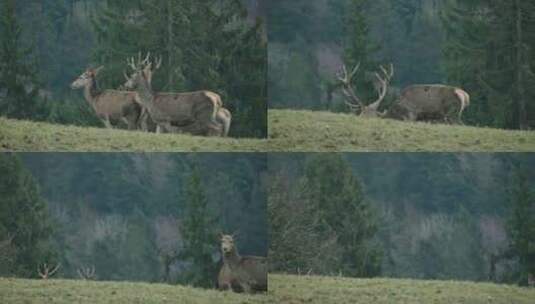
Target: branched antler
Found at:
x=383, y=77
x=86, y=273
x=46, y=271
x=352, y=100
x=356, y=105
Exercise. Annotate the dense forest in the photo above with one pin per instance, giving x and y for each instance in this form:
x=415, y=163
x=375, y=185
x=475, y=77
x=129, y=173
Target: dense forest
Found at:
x=130, y=216
x=485, y=47
x=205, y=45
x=424, y=216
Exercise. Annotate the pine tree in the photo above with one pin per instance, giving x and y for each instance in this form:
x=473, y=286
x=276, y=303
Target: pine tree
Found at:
x=24, y=219
x=199, y=235
x=521, y=226
x=337, y=197
x=18, y=75
x=488, y=52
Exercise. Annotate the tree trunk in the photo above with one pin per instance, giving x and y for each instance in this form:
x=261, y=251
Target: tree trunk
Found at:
x=170, y=42
x=520, y=89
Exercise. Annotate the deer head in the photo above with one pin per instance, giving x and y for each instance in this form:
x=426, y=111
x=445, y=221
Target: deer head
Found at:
x=86, y=78
x=227, y=244
x=143, y=70
x=46, y=271
x=355, y=104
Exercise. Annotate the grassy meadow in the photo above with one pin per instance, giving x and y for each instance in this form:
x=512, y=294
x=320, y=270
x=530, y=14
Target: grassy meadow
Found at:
x=308, y=131
x=289, y=131
x=282, y=289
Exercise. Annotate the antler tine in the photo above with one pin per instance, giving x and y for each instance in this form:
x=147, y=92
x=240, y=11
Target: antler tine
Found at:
x=355, y=70
x=146, y=60
x=158, y=63
x=131, y=63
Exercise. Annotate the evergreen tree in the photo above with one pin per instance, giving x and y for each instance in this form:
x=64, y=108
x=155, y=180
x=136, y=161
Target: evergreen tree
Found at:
x=521, y=226
x=488, y=52
x=199, y=235
x=333, y=190
x=23, y=219
x=18, y=75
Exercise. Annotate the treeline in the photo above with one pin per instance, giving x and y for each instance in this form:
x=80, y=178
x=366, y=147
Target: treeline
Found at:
x=130, y=217
x=211, y=45
x=483, y=46
x=403, y=215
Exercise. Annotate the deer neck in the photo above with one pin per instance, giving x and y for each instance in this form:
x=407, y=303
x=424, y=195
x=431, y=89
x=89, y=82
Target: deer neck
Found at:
x=91, y=93
x=232, y=259
x=145, y=94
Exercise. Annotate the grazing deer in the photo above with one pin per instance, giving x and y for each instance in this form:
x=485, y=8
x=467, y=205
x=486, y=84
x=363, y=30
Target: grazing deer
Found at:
x=241, y=273
x=46, y=271
x=416, y=103
x=431, y=102
x=193, y=112
x=111, y=106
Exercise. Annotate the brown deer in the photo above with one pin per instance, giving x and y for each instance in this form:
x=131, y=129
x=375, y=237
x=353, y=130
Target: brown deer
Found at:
x=111, y=106
x=240, y=273
x=416, y=103
x=197, y=113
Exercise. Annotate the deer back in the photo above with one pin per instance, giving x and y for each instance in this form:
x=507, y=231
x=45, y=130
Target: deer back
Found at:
x=429, y=100
x=187, y=107
x=116, y=104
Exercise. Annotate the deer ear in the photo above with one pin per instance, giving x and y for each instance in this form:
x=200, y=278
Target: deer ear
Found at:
x=235, y=234
x=97, y=70
x=220, y=235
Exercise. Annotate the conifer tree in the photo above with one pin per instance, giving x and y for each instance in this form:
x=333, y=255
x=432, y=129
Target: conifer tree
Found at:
x=199, y=235
x=18, y=75
x=521, y=226
x=23, y=220
x=335, y=193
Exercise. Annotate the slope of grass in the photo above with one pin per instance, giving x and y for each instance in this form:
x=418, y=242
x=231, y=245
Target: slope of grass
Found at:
x=18, y=135
x=307, y=131
x=282, y=289
x=289, y=131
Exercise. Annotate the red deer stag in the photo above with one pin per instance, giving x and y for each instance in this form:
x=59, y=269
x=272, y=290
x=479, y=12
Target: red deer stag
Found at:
x=416, y=103
x=111, y=106
x=241, y=273
x=197, y=113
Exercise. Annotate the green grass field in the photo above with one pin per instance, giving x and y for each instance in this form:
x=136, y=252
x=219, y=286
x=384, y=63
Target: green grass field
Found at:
x=289, y=131
x=307, y=131
x=17, y=135
x=282, y=289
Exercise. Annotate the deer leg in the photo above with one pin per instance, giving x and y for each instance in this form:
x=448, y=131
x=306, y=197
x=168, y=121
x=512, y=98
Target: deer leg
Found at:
x=107, y=123
x=246, y=287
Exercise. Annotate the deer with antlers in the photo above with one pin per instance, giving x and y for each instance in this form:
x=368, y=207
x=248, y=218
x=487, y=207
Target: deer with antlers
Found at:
x=86, y=273
x=46, y=271
x=416, y=103
x=112, y=107
x=197, y=113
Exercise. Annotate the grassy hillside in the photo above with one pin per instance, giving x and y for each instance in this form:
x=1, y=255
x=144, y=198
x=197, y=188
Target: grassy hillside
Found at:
x=282, y=289
x=17, y=135
x=289, y=131
x=308, y=131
